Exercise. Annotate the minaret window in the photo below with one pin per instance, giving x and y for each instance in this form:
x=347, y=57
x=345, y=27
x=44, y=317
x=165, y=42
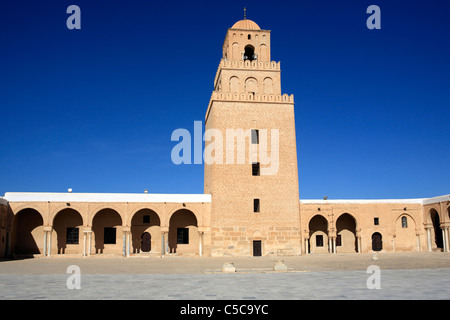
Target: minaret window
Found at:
x=249, y=53
x=255, y=169
x=256, y=205
x=255, y=136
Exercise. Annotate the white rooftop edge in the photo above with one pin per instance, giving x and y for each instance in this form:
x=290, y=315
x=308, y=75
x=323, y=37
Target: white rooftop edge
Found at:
x=422, y=201
x=104, y=197
x=175, y=198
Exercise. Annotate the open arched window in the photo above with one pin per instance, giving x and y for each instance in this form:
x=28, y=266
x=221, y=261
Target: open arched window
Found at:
x=404, y=222
x=249, y=53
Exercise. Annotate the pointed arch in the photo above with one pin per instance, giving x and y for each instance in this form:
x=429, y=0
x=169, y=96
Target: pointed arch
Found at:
x=67, y=230
x=405, y=233
x=183, y=232
x=346, y=240
x=107, y=231
x=318, y=234
x=28, y=232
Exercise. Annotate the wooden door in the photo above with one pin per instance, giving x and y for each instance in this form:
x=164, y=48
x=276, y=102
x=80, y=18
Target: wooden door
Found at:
x=146, y=242
x=257, y=248
x=377, y=242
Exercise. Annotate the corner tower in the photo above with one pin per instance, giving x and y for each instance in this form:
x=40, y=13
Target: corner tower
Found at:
x=251, y=171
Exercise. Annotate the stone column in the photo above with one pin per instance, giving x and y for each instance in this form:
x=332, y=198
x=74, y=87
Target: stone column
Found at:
x=358, y=241
x=418, y=241
x=129, y=243
x=126, y=241
x=89, y=243
x=444, y=239
x=45, y=243
x=428, y=238
x=84, y=243
x=166, y=242
x=163, y=245
x=330, y=244
x=200, y=243
x=47, y=240
x=50, y=243
x=124, y=244
x=334, y=245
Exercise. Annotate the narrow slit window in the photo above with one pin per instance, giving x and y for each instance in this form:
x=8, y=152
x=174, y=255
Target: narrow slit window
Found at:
x=255, y=136
x=255, y=169
x=404, y=222
x=256, y=205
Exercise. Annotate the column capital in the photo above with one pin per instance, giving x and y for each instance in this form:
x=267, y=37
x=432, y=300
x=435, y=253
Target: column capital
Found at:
x=164, y=229
x=204, y=229
x=87, y=229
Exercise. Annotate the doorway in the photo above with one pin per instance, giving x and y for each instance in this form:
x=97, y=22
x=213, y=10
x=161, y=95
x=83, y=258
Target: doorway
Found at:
x=377, y=242
x=257, y=252
x=146, y=242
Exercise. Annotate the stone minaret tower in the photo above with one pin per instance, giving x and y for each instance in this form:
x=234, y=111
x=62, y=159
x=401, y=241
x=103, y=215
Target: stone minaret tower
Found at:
x=250, y=151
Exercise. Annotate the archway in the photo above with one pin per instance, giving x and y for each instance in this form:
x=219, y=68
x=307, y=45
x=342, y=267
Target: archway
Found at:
x=67, y=232
x=107, y=229
x=28, y=233
x=249, y=53
x=435, y=220
x=318, y=234
x=183, y=232
x=145, y=221
x=377, y=241
x=405, y=234
x=346, y=234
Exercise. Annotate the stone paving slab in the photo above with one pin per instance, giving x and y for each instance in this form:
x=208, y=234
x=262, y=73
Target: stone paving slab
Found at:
x=197, y=265
x=403, y=276
x=419, y=284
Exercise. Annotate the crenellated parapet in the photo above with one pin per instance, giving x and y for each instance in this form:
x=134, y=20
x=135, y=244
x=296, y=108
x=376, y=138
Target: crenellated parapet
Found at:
x=271, y=98
x=247, y=65
x=249, y=97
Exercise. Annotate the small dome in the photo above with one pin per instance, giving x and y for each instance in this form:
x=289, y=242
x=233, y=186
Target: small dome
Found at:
x=246, y=25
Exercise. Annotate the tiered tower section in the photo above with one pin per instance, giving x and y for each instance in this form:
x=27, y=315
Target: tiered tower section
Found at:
x=253, y=178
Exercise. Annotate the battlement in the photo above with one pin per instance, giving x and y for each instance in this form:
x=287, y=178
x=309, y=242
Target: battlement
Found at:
x=247, y=65
x=249, y=97
x=250, y=64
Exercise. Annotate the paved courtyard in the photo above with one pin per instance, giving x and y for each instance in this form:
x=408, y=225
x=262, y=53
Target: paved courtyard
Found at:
x=339, y=276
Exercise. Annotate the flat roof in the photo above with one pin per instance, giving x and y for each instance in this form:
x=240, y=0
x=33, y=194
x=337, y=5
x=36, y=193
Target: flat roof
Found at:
x=422, y=201
x=178, y=198
x=104, y=197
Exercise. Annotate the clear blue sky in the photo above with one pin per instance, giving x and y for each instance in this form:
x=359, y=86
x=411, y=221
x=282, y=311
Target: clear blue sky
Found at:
x=94, y=109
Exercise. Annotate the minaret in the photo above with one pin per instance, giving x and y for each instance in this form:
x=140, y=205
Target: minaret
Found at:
x=251, y=171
